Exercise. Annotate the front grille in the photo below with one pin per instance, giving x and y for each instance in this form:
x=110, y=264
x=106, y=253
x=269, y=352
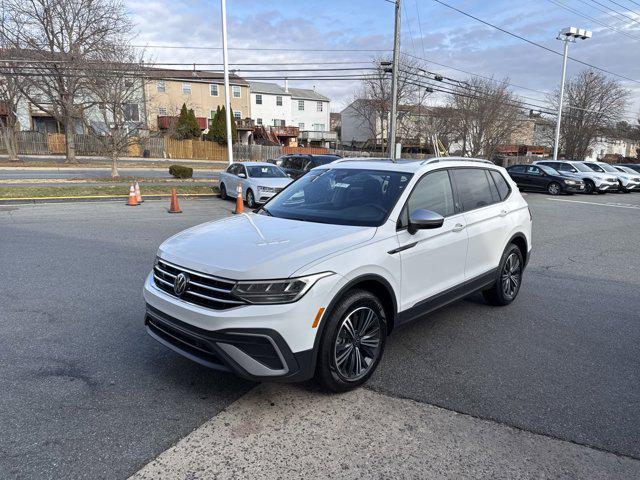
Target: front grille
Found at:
x=611, y=179
x=202, y=289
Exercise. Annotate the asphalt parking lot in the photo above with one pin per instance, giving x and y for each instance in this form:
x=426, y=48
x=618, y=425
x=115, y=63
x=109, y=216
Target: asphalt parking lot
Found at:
x=86, y=394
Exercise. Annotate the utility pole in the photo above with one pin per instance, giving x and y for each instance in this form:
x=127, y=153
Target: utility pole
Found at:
x=227, y=96
x=567, y=35
x=391, y=141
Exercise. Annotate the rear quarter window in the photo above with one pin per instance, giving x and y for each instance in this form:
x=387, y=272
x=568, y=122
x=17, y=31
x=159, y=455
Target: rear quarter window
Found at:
x=501, y=184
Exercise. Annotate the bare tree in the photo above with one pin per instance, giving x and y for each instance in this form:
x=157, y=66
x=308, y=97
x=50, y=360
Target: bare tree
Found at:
x=486, y=114
x=116, y=83
x=592, y=103
x=59, y=40
x=10, y=98
x=372, y=100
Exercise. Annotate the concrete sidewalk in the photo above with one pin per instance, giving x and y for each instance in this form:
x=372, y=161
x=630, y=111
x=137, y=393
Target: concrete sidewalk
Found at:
x=283, y=431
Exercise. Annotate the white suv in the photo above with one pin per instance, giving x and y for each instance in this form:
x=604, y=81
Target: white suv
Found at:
x=312, y=283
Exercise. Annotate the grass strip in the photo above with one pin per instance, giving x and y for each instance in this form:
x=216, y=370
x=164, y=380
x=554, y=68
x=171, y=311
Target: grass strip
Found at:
x=70, y=191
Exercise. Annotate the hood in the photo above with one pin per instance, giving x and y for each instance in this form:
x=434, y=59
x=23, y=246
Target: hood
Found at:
x=253, y=247
x=275, y=182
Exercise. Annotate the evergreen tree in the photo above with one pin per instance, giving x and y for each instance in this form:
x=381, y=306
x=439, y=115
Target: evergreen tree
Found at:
x=218, y=129
x=187, y=125
x=194, y=126
x=182, y=124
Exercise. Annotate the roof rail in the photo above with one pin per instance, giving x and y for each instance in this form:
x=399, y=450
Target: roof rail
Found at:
x=455, y=159
x=364, y=159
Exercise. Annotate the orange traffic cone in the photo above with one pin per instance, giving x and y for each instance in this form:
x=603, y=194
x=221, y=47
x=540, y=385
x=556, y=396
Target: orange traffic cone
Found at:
x=138, y=194
x=239, y=201
x=132, y=202
x=174, y=207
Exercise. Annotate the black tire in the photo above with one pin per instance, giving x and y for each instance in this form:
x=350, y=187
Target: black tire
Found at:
x=338, y=344
x=621, y=189
x=251, y=199
x=508, y=278
x=554, y=188
x=589, y=187
x=223, y=191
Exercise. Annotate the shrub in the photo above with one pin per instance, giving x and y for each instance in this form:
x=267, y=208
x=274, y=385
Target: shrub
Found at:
x=180, y=171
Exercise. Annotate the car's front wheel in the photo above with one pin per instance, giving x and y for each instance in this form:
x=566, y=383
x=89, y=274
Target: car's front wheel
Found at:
x=509, y=278
x=223, y=191
x=352, y=341
x=251, y=199
x=589, y=187
x=554, y=188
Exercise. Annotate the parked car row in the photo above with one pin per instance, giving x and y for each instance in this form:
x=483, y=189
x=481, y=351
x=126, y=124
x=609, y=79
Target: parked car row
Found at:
x=569, y=176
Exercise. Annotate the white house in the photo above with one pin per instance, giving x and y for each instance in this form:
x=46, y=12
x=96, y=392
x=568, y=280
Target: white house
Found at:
x=270, y=104
x=612, y=146
x=275, y=106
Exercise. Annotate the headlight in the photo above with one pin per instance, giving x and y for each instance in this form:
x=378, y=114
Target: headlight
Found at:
x=276, y=291
x=570, y=182
x=267, y=189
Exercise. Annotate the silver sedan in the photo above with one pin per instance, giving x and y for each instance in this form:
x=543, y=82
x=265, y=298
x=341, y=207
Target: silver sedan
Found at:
x=259, y=181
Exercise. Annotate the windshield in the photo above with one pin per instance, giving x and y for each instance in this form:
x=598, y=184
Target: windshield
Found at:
x=608, y=168
x=548, y=170
x=341, y=196
x=582, y=168
x=627, y=170
x=265, y=171
x=594, y=167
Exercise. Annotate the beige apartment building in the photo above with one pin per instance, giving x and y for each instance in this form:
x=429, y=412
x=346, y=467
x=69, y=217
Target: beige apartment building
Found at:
x=167, y=90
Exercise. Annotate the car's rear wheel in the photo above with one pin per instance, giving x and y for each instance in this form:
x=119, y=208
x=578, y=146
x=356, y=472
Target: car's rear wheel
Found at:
x=352, y=341
x=223, y=191
x=251, y=199
x=509, y=278
x=554, y=188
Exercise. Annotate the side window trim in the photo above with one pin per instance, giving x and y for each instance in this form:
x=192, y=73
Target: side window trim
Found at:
x=483, y=206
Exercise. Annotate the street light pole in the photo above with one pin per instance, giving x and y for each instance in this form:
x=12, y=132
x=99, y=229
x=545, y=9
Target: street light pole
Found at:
x=227, y=96
x=391, y=141
x=569, y=34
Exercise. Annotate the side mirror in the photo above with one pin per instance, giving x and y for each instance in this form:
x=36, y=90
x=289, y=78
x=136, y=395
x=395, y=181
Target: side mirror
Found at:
x=424, y=219
x=289, y=175
x=242, y=175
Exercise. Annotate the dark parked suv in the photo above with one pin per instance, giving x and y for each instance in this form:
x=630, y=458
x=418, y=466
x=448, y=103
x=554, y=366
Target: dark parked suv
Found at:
x=544, y=179
x=297, y=165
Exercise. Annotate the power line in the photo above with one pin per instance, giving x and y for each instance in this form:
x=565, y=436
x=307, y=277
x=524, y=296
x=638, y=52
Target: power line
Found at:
x=267, y=49
x=625, y=7
x=531, y=42
x=613, y=10
x=588, y=17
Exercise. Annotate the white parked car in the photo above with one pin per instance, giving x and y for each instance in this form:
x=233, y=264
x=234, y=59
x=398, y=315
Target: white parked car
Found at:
x=629, y=182
x=260, y=181
x=313, y=282
x=594, y=182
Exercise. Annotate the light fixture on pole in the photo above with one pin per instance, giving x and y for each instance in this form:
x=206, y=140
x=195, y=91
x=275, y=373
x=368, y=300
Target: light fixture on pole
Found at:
x=567, y=35
x=225, y=61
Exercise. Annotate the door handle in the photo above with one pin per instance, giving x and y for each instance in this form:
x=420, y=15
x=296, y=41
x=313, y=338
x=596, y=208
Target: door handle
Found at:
x=458, y=227
x=503, y=213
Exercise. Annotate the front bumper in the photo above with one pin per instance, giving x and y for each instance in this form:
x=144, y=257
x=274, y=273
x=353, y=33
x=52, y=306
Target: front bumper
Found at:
x=263, y=197
x=254, y=354
x=573, y=188
x=607, y=187
x=257, y=342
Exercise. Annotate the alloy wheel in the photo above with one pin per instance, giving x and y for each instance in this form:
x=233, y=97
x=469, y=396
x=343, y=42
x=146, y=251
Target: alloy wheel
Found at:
x=554, y=189
x=511, y=275
x=357, y=345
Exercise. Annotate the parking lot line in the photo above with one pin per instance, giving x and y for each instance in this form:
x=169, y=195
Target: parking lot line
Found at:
x=617, y=205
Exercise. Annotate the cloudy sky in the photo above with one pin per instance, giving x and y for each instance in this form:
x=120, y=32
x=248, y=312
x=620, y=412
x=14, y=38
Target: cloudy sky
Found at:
x=429, y=30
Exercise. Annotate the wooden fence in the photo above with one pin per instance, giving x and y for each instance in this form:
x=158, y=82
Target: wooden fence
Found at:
x=37, y=143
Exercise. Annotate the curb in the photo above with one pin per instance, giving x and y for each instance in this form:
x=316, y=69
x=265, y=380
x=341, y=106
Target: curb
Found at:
x=95, y=198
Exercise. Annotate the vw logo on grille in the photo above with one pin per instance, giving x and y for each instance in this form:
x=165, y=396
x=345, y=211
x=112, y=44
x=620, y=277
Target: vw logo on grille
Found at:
x=180, y=284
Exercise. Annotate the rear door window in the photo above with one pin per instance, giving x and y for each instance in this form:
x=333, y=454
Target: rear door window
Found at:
x=473, y=188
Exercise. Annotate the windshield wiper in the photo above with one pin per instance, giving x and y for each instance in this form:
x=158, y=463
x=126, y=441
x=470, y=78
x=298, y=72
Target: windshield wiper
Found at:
x=264, y=209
